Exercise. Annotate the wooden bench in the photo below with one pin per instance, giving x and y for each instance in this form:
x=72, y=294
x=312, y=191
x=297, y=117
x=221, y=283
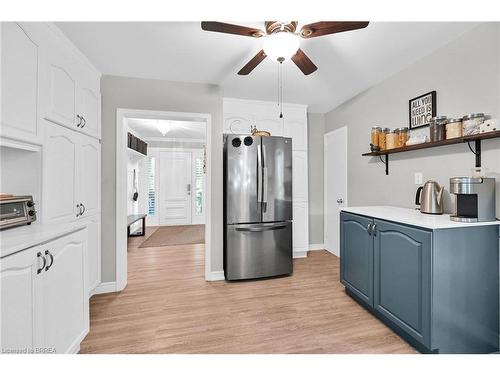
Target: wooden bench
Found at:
x=131, y=219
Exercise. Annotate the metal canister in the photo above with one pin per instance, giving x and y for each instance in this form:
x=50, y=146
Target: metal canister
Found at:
x=437, y=129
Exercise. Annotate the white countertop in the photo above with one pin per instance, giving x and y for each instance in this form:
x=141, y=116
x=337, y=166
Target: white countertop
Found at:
x=414, y=217
x=16, y=239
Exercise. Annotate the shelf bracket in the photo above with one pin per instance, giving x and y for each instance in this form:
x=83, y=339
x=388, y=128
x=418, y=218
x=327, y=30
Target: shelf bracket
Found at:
x=386, y=162
x=477, y=151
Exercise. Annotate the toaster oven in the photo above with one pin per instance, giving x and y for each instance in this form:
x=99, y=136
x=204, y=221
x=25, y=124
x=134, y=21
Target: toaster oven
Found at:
x=16, y=210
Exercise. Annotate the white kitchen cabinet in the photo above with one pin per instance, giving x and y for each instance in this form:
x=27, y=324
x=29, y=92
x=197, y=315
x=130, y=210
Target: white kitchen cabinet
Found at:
x=19, y=300
x=300, y=229
x=93, y=252
x=71, y=178
x=297, y=130
x=20, y=57
x=299, y=178
x=89, y=175
x=60, y=173
x=237, y=123
x=272, y=124
x=65, y=309
x=89, y=106
x=44, y=296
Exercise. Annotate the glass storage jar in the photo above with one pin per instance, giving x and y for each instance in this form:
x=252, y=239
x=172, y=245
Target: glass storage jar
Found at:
x=391, y=140
x=382, y=138
x=403, y=136
x=376, y=130
x=453, y=128
x=471, y=123
x=437, y=129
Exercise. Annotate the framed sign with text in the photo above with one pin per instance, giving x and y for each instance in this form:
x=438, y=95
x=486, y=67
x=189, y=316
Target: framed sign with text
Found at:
x=422, y=109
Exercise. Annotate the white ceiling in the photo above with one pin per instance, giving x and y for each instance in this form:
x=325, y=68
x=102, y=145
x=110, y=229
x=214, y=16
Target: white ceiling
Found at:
x=181, y=130
x=348, y=63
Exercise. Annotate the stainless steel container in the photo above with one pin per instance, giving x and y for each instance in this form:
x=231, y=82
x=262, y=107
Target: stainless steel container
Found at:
x=475, y=199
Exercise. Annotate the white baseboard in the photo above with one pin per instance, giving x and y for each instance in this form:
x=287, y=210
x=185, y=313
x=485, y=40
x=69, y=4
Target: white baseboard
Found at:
x=215, y=276
x=299, y=254
x=316, y=246
x=105, y=287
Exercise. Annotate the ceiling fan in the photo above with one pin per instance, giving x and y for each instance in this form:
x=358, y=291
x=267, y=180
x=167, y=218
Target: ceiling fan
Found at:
x=282, y=41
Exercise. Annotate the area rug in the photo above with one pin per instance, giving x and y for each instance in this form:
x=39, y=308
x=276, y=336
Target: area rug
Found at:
x=176, y=235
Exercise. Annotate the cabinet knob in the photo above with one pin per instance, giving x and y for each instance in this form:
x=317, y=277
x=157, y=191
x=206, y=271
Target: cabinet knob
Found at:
x=340, y=200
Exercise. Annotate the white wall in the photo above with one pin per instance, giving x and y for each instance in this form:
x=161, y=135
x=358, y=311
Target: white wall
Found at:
x=466, y=76
x=136, y=93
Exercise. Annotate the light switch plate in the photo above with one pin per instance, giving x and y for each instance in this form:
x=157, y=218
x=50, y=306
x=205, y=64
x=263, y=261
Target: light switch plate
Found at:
x=418, y=178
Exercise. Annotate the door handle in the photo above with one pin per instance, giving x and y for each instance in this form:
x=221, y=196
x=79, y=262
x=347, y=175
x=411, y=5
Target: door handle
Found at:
x=83, y=207
x=340, y=200
x=79, y=120
x=265, y=185
x=79, y=210
x=374, y=229
x=47, y=252
x=39, y=255
x=369, y=229
x=84, y=122
x=189, y=189
x=261, y=228
x=259, y=176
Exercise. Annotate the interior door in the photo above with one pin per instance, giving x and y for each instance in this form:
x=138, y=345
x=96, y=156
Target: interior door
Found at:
x=175, y=187
x=277, y=179
x=198, y=189
x=335, y=159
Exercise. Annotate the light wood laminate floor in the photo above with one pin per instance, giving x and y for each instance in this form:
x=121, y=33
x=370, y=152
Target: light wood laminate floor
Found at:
x=168, y=307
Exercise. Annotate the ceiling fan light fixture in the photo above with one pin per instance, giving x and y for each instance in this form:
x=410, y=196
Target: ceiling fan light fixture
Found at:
x=281, y=45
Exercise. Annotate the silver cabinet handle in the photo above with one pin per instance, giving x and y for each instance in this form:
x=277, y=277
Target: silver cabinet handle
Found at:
x=84, y=122
x=369, y=229
x=39, y=255
x=83, y=207
x=340, y=200
x=189, y=189
x=79, y=120
x=47, y=252
x=79, y=210
x=374, y=229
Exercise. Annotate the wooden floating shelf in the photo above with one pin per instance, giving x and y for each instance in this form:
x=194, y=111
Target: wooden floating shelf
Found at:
x=470, y=138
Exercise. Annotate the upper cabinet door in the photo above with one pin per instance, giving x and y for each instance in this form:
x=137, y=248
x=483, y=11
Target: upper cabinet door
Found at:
x=65, y=296
x=61, y=100
x=297, y=130
x=89, y=175
x=18, y=301
x=272, y=124
x=89, y=109
x=20, y=61
x=60, y=173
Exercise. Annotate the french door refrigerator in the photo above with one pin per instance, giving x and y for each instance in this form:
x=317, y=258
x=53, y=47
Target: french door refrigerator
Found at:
x=257, y=206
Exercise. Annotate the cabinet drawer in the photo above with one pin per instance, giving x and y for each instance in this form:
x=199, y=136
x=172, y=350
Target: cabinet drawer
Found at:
x=402, y=277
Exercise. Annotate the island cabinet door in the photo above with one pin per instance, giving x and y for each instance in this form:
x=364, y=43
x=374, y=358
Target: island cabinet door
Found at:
x=402, y=277
x=356, y=256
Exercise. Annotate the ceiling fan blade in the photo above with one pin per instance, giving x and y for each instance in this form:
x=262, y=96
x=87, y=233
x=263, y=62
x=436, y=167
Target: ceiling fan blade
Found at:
x=313, y=30
x=256, y=60
x=304, y=63
x=221, y=27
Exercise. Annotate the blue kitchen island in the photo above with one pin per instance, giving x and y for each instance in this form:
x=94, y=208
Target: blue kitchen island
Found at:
x=434, y=281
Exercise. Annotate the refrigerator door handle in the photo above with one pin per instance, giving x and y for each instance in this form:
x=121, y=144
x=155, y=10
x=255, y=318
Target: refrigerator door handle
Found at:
x=265, y=184
x=260, y=228
x=259, y=177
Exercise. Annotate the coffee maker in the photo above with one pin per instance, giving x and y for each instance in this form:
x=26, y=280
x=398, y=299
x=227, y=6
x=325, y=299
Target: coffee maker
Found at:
x=474, y=199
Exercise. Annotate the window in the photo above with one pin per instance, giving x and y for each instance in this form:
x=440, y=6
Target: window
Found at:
x=151, y=187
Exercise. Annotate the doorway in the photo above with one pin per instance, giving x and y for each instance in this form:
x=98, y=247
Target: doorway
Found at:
x=174, y=202
x=335, y=180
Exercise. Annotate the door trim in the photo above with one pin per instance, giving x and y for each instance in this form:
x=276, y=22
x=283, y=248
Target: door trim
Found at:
x=122, y=114
x=325, y=190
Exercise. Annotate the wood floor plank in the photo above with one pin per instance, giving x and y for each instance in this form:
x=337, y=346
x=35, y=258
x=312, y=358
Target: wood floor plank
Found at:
x=168, y=307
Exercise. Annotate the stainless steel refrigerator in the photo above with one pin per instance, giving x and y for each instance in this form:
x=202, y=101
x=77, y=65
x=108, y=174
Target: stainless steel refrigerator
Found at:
x=257, y=206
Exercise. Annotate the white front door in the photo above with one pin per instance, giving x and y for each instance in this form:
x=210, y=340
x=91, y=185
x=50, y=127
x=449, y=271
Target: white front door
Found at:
x=335, y=150
x=175, y=188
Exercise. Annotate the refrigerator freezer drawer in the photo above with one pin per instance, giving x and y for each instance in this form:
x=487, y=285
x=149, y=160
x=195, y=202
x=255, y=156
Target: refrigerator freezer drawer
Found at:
x=258, y=250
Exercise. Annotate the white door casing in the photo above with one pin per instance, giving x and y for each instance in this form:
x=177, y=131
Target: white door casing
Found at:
x=335, y=180
x=175, y=187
